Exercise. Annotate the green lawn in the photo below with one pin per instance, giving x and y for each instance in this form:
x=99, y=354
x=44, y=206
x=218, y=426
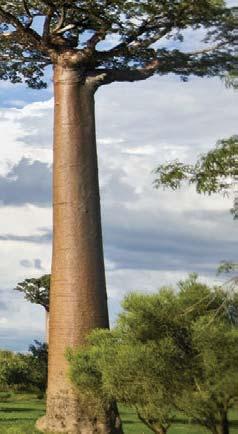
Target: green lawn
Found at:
x=18, y=414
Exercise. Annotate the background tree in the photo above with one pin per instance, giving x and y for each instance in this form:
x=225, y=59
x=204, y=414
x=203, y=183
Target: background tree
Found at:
x=37, y=291
x=25, y=372
x=69, y=36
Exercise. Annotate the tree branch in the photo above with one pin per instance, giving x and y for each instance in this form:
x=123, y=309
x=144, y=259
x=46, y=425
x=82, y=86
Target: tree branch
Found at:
x=96, y=38
x=107, y=76
x=31, y=35
x=27, y=10
x=61, y=20
x=209, y=49
x=48, y=18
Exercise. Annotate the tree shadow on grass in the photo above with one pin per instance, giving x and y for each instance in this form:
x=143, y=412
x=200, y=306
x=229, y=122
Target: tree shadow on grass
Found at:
x=18, y=410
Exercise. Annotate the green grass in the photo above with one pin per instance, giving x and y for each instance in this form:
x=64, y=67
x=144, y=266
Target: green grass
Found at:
x=19, y=412
x=132, y=425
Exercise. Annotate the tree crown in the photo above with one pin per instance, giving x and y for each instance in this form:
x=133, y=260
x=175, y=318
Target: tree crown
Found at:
x=36, y=290
x=34, y=34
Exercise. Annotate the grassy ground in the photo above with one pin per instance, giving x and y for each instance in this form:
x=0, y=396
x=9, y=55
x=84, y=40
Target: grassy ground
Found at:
x=18, y=414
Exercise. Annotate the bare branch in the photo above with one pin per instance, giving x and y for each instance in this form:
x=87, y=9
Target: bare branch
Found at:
x=65, y=29
x=61, y=20
x=96, y=38
x=27, y=10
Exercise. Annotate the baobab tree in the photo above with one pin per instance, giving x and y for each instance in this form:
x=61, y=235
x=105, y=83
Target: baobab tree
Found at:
x=37, y=290
x=90, y=44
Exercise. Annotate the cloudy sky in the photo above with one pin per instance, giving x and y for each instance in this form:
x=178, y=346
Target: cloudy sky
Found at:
x=151, y=237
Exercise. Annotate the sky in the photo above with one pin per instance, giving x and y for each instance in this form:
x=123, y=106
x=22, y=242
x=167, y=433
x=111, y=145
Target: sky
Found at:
x=151, y=237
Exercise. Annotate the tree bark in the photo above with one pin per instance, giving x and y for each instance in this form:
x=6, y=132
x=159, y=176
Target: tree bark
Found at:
x=223, y=426
x=47, y=323
x=78, y=301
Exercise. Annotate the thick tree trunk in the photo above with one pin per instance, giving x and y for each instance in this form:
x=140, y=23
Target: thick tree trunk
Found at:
x=78, y=301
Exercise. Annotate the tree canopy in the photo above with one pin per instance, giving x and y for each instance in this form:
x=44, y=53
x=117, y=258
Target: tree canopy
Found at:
x=34, y=34
x=36, y=290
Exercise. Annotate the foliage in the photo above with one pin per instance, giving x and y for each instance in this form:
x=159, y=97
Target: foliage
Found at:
x=72, y=33
x=38, y=361
x=169, y=351
x=227, y=267
x=212, y=173
x=36, y=290
x=14, y=370
x=217, y=385
x=24, y=371
x=143, y=363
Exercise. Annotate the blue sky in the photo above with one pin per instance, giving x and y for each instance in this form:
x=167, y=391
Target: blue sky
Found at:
x=151, y=237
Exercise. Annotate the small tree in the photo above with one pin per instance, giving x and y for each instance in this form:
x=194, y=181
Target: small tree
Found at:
x=169, y=351
x=144, y=362
x=37, y=291
x=27, y=372
x=38, y=361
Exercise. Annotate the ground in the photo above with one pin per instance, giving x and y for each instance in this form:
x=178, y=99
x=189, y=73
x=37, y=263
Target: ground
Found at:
x=18, y=413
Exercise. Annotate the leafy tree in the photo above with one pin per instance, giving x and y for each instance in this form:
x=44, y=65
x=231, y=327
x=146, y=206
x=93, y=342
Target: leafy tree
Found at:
x=144, y=362
x=210, y=313
x=169, y=351
x=25, y=372
x=212, y=173
x=216, y=386
x=38, y=361
x=36, y=290
x=69, y=36
x=14, y=370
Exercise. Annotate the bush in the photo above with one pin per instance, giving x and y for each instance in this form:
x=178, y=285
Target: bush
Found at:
x=24, y=372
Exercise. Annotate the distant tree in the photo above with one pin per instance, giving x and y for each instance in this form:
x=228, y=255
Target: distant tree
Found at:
x=38, y=361
x=37, y=291
x=69, y=36
x=26, y=372
x=14, y=371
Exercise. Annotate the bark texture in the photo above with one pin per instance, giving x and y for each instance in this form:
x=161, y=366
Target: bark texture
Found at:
x=47, y=324
x=78, y=301
x=223, y=427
